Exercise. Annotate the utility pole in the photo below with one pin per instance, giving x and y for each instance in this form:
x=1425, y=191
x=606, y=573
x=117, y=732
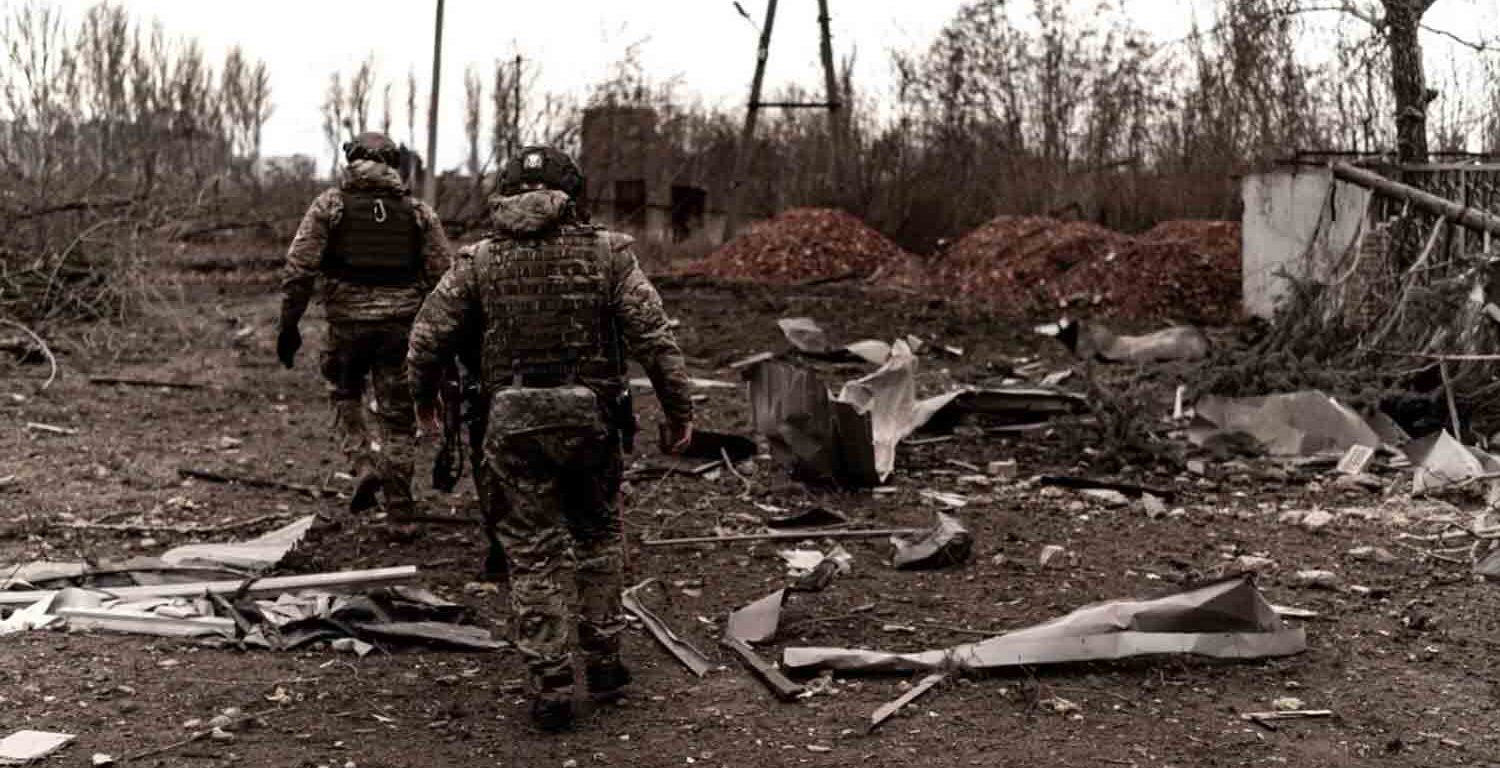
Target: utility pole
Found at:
x=836, y=133
x=747, y=133
x=515, y=127
x=429, y=188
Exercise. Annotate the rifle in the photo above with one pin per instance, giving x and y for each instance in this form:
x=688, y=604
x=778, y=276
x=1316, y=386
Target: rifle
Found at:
x=448, y=465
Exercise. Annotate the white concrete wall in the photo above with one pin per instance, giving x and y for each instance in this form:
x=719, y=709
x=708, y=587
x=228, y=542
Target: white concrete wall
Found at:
x=1289, y=214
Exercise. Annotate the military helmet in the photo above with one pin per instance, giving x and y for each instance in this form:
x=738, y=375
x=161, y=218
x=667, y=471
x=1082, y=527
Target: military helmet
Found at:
x=545, y=167
x=373, y=145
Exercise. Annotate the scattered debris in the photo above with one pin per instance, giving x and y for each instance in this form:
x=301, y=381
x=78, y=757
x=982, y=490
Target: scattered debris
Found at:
x=869, y=533
x=256, y=555
x=1129, y=490
x=1253, y=564
x=146, y=623
x=691, y=657
x=1295, y=424
x=885, y=712
x=248, y=587
x=1442, y=461
x=1003, y=469
x=1489, y=566
x=852, y=437
x=946, y=543
x=36, y=426
x=1355, y=460
x=756, y=622
x=1377, y=554
x=1316, y=579
x=782, y=687
x=1287, y=704
x=814, y=570
x=1316, y=520
x=949, y=500
x=809, y=338
x=1095, y=341
x=22, y=747
x=1050, y=554
x=1229, y=619
x=1267, y=719
x=812, y=517
x=643, y=383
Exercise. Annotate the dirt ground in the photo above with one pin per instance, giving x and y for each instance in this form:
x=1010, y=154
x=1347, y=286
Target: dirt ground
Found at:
x=1406, y=668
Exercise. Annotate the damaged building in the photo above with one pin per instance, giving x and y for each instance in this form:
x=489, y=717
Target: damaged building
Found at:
x=640, y=181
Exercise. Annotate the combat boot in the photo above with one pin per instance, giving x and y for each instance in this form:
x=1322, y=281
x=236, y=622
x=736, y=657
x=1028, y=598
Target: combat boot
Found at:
x=607, y=679
x=401, y=522
x=496, y=564
x=552, y=708
x=365, y=488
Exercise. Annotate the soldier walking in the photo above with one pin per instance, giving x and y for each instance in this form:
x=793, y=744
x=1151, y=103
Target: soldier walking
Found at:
x=551, y=304
x=378, y=251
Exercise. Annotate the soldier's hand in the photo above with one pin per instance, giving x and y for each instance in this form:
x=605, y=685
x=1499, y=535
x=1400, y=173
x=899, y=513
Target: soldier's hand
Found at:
x=678, y=437
x=288, y=341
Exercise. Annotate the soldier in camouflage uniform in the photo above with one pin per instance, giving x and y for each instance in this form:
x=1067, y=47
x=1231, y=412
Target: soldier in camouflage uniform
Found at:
x=378, y=251
x=551, y=303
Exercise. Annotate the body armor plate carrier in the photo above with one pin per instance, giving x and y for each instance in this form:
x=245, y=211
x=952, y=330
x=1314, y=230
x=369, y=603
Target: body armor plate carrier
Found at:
x=377, y=241
x=550, y=307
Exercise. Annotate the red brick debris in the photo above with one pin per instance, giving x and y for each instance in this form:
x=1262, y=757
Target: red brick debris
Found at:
x=799, y=245
x=1033, y=266
x=1028, y=266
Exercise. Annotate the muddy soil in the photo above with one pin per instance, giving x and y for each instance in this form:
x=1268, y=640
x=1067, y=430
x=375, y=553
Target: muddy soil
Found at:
x=1406, y=668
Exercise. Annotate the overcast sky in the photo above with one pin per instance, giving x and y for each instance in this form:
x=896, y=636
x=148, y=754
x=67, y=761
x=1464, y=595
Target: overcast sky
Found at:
x=704, y=43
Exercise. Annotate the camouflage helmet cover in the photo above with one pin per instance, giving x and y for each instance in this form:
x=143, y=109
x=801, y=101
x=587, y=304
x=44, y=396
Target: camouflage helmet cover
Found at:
x=373, y=145
x=545, y=167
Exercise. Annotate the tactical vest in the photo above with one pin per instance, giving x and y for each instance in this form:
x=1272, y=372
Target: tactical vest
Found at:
x=547, y=309
x=378, y=240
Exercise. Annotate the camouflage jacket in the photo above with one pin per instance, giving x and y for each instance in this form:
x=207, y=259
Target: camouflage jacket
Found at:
x=450, y=322
x=345, y=301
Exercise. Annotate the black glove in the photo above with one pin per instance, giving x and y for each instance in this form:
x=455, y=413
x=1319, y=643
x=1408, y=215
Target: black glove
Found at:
x=288, y=341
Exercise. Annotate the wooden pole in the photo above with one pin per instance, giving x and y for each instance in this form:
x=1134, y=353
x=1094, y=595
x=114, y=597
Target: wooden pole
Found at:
x=1462, y=215
x=747, y=133
x=429, y=187
x=831, y=94
x=516, y=126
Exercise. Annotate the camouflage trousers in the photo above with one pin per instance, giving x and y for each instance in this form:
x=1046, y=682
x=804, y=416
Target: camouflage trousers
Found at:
x=553, y=494
x=373, y=353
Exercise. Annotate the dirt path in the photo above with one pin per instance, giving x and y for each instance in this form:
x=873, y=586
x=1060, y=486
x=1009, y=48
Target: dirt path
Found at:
x=1410, y=670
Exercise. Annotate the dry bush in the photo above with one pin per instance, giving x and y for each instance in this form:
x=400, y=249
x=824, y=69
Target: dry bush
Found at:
x=113, y=141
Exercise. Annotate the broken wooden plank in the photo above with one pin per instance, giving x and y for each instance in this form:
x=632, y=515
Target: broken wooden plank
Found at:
x=253, y=482
x=887, y=710
x=142, y=623
x=36, y=426
x=691, y=657
x=767, y=673
x=131, y=382
x=1267, y=720
x=274, y=585
x=784, y=535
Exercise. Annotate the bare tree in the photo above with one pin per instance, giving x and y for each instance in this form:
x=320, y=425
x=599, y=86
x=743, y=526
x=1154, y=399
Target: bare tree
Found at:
x=473, y=105
x=333, y=119
x=361, y=86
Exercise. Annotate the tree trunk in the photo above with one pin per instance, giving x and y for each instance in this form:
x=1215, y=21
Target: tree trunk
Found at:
x=1408, y=81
